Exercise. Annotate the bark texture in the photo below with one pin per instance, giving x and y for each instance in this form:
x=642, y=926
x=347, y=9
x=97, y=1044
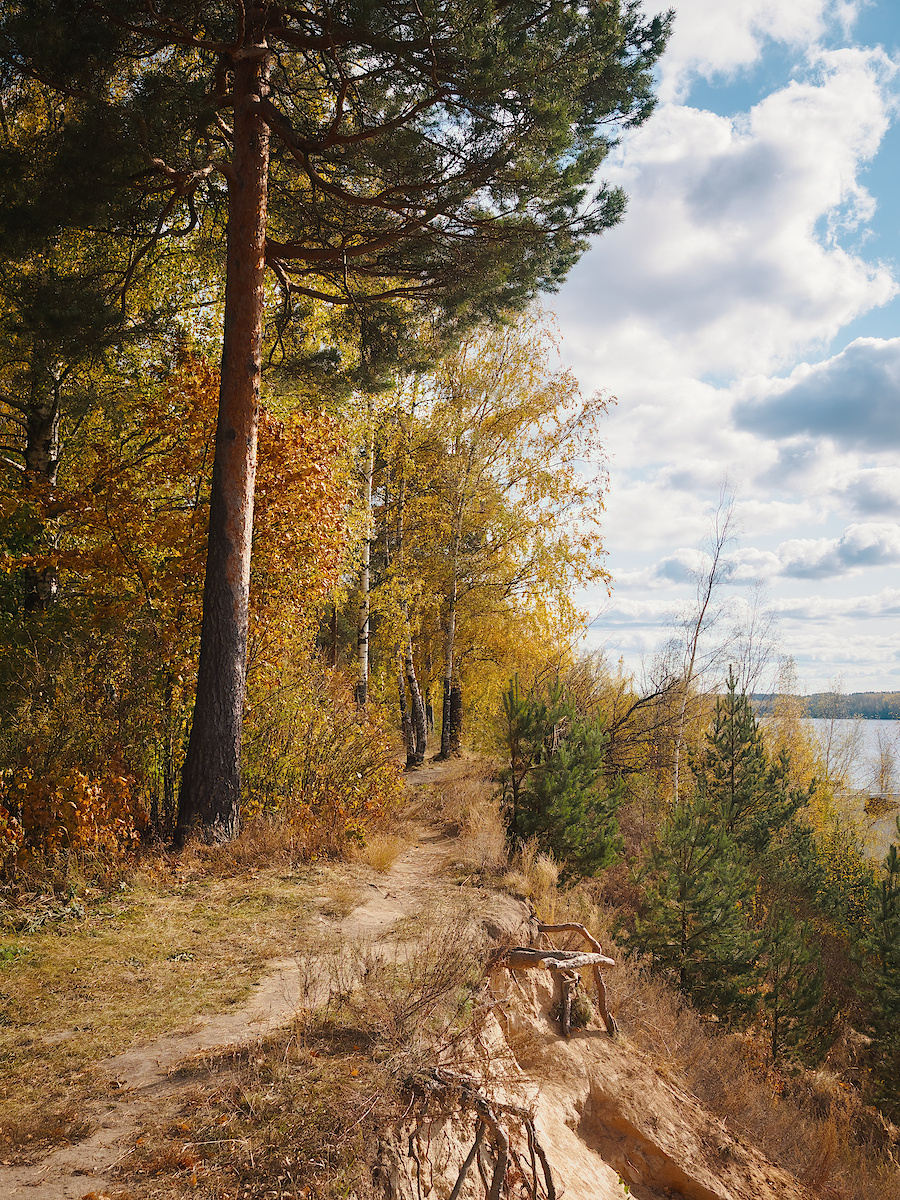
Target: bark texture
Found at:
x=362, y=632
x=449, y=743
x=209, y=800
x=456, y=718
x=447, y=747
x=417, y=706
x=406, y=724
x=41, y=420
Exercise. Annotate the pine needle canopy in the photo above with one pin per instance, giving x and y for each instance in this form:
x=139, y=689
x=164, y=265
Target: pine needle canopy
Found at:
x=440, y=151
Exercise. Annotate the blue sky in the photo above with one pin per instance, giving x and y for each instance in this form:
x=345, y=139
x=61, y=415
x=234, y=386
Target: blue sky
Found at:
x=746, y=316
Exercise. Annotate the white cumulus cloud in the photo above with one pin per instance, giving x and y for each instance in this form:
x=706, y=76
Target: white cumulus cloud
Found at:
x=713, y=38
x=853, y=399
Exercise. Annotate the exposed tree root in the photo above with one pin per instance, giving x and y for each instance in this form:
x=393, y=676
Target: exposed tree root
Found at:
x=504, y=1169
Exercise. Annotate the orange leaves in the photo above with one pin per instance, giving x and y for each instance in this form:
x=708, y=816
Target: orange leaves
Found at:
x=301, y=494
x=68, y=809
x=300, y=527
x=133, y=530
x=11, y=834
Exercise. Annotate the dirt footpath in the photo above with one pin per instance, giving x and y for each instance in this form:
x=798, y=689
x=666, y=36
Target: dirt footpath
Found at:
x=142, y=1076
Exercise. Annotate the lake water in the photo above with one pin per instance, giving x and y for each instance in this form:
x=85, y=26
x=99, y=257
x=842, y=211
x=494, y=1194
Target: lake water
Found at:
x=866, y=754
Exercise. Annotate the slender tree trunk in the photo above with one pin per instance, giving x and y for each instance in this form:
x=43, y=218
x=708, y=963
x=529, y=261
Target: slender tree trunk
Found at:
x=708, y=582
x=417, y=740
x=418, y=708
x=209, y=800
x=42, y=438
x=450, y=641
x=333, y=648
x=456, y=718
x=163, y=823
x=41, y=419
x=679, y=733
x=409, y=736
x=362, y=633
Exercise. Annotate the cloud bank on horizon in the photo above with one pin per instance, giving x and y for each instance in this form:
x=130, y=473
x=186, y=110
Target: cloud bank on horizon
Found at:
x=744, y=315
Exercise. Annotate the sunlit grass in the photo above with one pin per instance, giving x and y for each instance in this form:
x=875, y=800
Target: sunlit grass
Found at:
x=104, y=971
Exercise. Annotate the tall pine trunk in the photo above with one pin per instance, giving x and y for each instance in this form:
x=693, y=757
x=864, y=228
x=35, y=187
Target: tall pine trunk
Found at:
x=209, y=800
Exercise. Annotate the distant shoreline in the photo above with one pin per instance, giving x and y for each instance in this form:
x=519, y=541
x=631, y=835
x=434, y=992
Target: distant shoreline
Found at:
x=872, y=706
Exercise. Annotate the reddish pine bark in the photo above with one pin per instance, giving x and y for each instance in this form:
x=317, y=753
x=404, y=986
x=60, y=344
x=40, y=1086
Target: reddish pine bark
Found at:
x=209, y=800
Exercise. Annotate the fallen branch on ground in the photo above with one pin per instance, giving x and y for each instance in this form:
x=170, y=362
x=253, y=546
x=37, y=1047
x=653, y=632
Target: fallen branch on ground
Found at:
x=565, y=964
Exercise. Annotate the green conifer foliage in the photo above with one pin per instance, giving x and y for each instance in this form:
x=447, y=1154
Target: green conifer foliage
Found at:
x=884, y=983
x=554, y=786
x=755, y=798
x=694, y=921
x=790, y=978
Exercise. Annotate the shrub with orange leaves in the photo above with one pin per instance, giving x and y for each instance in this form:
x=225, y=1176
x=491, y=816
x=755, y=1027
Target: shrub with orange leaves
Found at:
x=70, y=811
x=11, y=833
x=109, y=675
x=314, y=760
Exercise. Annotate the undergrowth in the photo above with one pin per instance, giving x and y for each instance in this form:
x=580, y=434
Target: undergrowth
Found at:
x=812, y=1123
x=301, y=1113
x=296, y=1116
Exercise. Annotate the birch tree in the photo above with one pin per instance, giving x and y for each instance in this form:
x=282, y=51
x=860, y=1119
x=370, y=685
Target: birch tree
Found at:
x=512, y=487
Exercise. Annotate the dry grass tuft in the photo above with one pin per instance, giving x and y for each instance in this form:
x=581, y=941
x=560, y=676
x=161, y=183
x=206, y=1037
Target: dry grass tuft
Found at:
x=481, y=845
x=264, y=842
x=342, y=895
x=381, y=850
x=417, y=990
x=534, y=875
x=296, y=1115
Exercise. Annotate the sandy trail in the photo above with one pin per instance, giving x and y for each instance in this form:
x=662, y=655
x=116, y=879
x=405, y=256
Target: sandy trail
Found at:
x=141, y=1077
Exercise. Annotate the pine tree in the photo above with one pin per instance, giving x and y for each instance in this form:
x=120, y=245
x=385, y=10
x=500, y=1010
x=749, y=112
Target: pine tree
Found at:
x=555, y=786
x=754, y=794
x=526, y=721
x=694, y=922
x=884, y=983
x=790, y=977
